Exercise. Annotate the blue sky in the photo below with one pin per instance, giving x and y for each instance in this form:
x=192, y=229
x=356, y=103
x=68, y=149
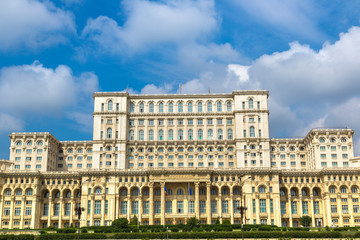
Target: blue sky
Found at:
x=55, y=54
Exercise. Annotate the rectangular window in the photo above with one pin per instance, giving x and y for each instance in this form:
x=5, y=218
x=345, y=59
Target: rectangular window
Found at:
x=356, y=208
x=135, y=207
x=123, y=209
x=180, y=207
x=6, y=211
x=28, y=211
x=333, y=208
x=157, y=207
x=225, y=206
x=56, y=209
x=345, y=209
x=236, y=206
x=191, y=207
x=214, y=207
x=106, y=206
x=262, y=205
x=46, y=209
x=254, y=205
x=146, y=207
x=293, y=207
x=305, y=207
x=168, y=206
x=271, y=206
x=67, y=209
x=97, y=209
x=316, y=208
x=202, y=207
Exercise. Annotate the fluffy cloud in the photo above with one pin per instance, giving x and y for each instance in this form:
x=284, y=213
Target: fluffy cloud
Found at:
x=150, y=23
x=308, y=88
x=33, y=23
x=30, y=89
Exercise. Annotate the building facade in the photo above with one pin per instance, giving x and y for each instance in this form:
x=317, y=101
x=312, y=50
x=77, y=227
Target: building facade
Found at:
x=167, y=158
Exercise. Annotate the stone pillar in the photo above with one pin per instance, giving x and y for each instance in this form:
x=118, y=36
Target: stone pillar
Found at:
x=231, y=207
x=2, y=210
x=23, y=199
x=117, y=208
x=351, y=210
x=92, y=209
x=301, y=206
x=338, y=202
x=140, y=208
x=257, y=204
x=103, y=210
x=312, y=211
x=268, y=210
x=197, y=204
x=129, y=206
x=326, y=210
x=72, y=210
x=220, y=207
x=290, y=211
x=61, y=208
x=208, y=203
x=151, y=203
x=163, y=203
x=11, y=221
x=50, y=211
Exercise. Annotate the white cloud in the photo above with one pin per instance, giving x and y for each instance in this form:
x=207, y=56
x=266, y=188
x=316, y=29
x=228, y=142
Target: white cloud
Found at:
x=10, y=123
x=33, y=24
x=151, y=23
x=34, y=89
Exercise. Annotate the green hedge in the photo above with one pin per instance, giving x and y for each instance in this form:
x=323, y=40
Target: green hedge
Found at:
x=68, y=236
x=66, y=230
x=17, y=237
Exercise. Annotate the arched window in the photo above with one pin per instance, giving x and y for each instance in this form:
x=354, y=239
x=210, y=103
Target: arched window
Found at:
x=57, y=194
x=141, y=135
x=110, y=105
x=213, y=191
x=151, y=135
x=40, y=143
x=343, y=189
x=190, y=107
x=46, y=194
x=132, y=107
x=225, y=191
x=332, y=189
x=219, y=107
x=109, y=133
x=343, y=139
x=180, y=192
x=304, y=192
x=199, y=105
x=151, y=107
x=180, y=107
x=18, y=143
x=251, y=103
x=135, y=192
x=146, y=192
x=282, y=192
x=18, y=192
x=230, y=134
x=29, y=192
x=220, y=134
x=131, y=135
x=262, y=189
x=124, y=192
x=354, y=189
x=293, y=192
x=316, y=192
x=209, y=107
x=68, y=194
x=200, y=134
x=210, y=134
x=236, y=191
x=180, y=134
x=171, y=107
x=228, y=106
x=7, y=192
x=332, y=139
x=161, y=107
x=78, y=194
x=252, y=131
x=161, y=134
x=190, y=134
x=98, y=191
x=157, y=192
x=171, y=134
x=141, y=107
x=202, y=191
x=169, y=192
x=322, y=140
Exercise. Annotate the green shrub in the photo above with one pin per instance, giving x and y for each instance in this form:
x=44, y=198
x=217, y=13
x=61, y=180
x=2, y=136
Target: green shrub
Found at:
x=71, y=236
x=66, y=230
x=17, y=237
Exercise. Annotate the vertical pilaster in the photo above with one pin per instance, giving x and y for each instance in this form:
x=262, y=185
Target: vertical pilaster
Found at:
x=61, y=212
x=163, y=203
x=103, y=210
x=231, y=207
x=50, y=211
x=290, y=211
x=220, y=207
x=312, y=211
x=197, y=204
x=23, y=199
x=208, y=204
x=151, y=203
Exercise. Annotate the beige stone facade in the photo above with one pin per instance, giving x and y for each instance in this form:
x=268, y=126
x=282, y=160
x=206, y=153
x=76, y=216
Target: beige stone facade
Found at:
x=210, y=152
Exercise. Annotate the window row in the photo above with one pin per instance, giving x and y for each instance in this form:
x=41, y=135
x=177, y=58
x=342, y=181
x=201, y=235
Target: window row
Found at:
x=182, y=107
x=180, y=149
x=29, y=143
x=161, y=122
x=180, y=135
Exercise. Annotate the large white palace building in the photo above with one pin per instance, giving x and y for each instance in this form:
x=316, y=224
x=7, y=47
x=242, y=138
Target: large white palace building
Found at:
x=166, y=158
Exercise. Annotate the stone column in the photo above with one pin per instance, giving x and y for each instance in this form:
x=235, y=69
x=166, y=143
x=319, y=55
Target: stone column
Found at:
x=257, y=204
x=220, y=207
x=50, y=211
x=151, y=203
x=2, y=210
x=290, y=211
x=208, y=203
x=351, y=210
x=61, y=208
x=301, y=207
x=338, y=203
x=312, y=211
x=140, y=208
x=103, y=210
x=326, y=210
x=197, y=204
x=23, y=199
x=268, y=210
x=117, y=208
x=129, y=206
x=92, y=209
x=231, y=207
x=163, y=203
x=72, y=210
